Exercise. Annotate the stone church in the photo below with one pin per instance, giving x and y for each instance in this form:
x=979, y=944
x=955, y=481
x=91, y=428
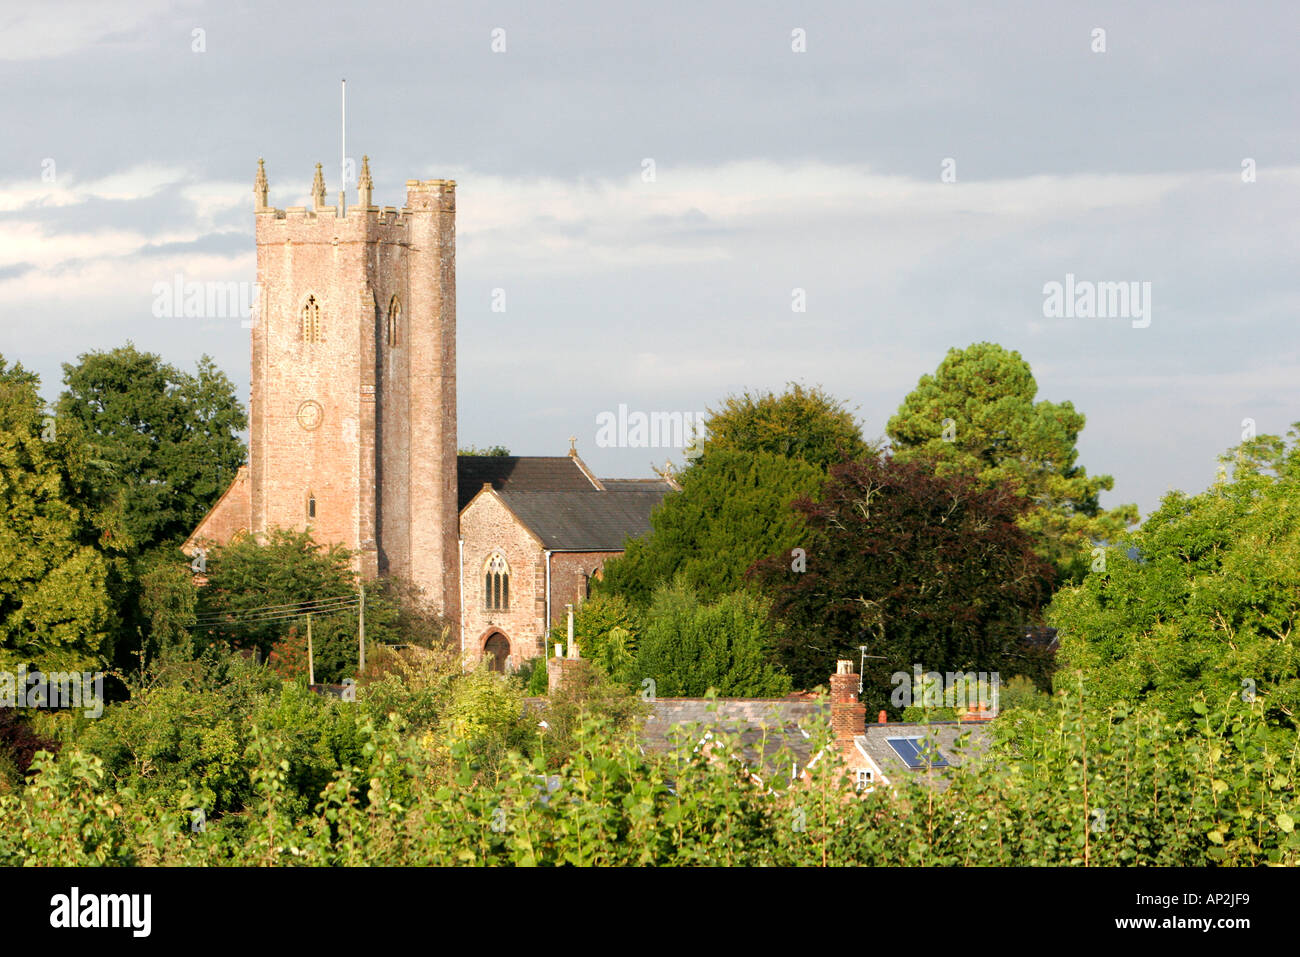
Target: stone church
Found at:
x=352, y=422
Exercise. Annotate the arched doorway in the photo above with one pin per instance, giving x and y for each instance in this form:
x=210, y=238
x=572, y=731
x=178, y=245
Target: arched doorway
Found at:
x=497, y=650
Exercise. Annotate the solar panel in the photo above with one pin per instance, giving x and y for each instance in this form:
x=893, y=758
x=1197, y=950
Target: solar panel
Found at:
x=917, y=752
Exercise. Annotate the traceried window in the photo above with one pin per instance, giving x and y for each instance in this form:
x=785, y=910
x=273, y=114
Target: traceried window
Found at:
x=311, y=327
x=394, y=322
x=496, y=584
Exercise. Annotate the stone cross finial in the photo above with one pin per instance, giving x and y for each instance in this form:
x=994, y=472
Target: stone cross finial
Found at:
x=318, y=188
x=259, y=185
x=573, y=445
x=365, y=185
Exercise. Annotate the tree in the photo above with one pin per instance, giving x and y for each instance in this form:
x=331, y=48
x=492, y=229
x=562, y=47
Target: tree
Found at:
x=168, y=600
x=55, y=610
x=402, y=613
x=493, y=450
x=733, y=509
x=166, y=443
x=587, y=699
x=689, y=647
x=1202, y=602
x=605, y=627
x=977, y=416
x=259, y=593
x=921, y=568
x=805, y=424
x=335, y=652
x=256, y=592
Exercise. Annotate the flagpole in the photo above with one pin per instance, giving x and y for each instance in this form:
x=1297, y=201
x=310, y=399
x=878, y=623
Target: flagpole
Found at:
x=343, y=149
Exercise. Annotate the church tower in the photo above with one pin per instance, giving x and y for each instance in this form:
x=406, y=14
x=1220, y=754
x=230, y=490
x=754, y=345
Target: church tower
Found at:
x=353, y=406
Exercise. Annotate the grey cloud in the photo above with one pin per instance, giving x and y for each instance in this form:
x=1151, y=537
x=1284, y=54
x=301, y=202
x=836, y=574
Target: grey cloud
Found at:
x=587, y=90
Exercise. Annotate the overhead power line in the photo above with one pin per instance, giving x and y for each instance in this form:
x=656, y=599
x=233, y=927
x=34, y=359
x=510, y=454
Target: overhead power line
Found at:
x=306, y=603
x=279, y=612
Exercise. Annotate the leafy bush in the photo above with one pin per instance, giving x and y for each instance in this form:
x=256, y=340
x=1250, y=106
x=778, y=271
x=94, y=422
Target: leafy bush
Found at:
x=1072, y=785
x=1021, y=692
x=689, y=647
x=606, y=628
x=414, y=683
x=1203, y=598
x=532, y=675
x=733, y=510
x=19, y=743
x=484, y=716
x=186, y=730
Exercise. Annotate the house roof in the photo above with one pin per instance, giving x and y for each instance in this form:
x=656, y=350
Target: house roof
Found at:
x=765, y=728
x=533, y=473
x=633, y=483
x=958, y=742
x=769, y=732
x=585, y=520
x=561, y=502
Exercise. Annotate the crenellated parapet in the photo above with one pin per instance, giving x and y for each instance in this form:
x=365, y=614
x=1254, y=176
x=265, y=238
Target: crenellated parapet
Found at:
x=422, y=196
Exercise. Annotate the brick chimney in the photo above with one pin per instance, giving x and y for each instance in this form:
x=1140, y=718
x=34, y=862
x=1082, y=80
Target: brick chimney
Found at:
x=848, y=716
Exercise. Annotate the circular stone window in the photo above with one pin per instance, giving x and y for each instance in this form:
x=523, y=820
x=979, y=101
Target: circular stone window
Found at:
x=310, y=415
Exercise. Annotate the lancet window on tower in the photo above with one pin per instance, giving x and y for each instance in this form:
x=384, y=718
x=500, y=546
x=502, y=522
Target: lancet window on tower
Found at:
x=394, y=321
x=311, y=327
x=496, y=584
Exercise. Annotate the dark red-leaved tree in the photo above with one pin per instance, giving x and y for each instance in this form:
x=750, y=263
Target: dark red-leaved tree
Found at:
x=921, y=569
x=19, y=743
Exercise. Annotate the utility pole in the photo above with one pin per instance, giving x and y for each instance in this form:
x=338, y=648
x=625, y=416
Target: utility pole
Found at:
x=361, y=628
x=311, y=666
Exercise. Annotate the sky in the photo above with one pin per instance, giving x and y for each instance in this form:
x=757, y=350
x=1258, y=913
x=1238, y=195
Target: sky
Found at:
x=647, y=194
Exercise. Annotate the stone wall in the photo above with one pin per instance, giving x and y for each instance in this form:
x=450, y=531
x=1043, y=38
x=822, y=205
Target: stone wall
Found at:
x=229, y=518
x=572, y=573
x=488, y=527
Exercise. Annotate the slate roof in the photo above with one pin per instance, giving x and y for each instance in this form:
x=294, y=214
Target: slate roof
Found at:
x=958, y=742
x=535, y=473
x=588, y=520
x=555, y=497
x=766, y=727
x=633, y=483
x=775, y=734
